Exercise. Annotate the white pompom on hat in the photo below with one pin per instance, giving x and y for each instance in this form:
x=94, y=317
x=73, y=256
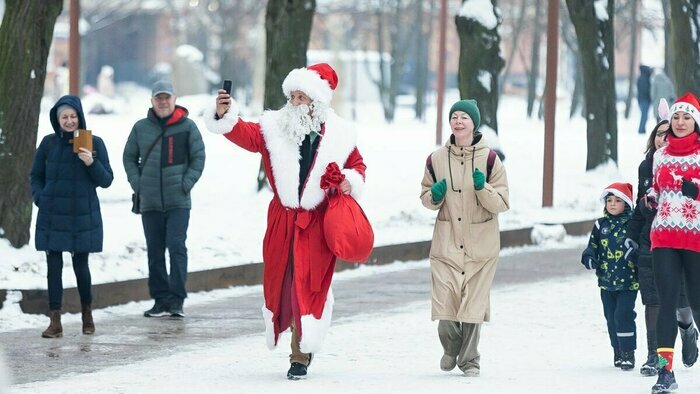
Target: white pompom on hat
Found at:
x=687, y=103
x=317, y=81
x=621, y=190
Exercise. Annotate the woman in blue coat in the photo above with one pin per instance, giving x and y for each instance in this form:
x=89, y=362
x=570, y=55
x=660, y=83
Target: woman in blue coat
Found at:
x=69, y=219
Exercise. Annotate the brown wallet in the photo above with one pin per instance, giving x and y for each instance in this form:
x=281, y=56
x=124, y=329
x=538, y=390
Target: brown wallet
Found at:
x=82, y=139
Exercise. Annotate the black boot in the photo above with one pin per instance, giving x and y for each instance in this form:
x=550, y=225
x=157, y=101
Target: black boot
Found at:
x=666, y=382
x=650, y=366
x=617, y=357
x=296, y=371
x=627, y=360
x=689, y=337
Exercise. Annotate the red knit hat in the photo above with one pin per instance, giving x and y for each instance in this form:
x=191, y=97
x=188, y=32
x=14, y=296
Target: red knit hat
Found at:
x=621, y=190
x=317, y=81
x=687, y=103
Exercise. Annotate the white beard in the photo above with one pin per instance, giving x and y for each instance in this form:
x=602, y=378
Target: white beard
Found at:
x=296, y=123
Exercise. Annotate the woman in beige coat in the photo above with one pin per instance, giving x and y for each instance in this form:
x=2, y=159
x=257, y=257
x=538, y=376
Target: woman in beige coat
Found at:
x=466, y=182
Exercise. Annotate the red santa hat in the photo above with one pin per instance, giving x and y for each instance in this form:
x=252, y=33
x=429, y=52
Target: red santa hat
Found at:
x=687, y=103
x=317, y=81
x=621, y=190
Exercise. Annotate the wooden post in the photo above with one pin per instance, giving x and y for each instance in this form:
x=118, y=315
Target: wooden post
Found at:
x=74, y=49
x=440, y=89
x=550, y=102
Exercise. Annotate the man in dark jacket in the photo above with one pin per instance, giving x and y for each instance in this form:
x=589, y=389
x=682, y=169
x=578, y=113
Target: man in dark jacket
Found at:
x=163, y=159
x=644, y=95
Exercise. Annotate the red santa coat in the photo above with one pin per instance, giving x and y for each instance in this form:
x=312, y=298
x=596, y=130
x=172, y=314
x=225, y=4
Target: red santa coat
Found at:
x=295, y=221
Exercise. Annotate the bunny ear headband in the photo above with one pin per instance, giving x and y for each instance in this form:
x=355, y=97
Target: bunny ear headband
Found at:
x=664, y=110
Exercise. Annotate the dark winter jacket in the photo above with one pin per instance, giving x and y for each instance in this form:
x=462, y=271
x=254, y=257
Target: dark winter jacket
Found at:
x=173, y=166
x=606, y=249
x=64, y=189
x=644, y=84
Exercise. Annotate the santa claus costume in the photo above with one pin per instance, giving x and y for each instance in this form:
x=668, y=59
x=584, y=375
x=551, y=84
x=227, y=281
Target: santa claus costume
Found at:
x=298, y=266
x=675, y=231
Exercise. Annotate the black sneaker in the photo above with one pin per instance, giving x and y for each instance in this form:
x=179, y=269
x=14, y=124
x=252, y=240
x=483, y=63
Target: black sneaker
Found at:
x=176, y=310
x=296, y=371
x=617, y=360
x=649, y=368
x=689, y=337
x=627, y=361
x=666, y=383
x=159, y=309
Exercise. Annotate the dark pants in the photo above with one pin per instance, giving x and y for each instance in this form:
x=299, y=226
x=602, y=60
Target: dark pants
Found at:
x=644, y=107
x=618, y=307
x=55, y=278
x=671, y=266
x=167, y=230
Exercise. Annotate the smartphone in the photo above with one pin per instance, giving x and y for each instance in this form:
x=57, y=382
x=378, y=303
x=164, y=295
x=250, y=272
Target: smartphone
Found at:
x=227, y=86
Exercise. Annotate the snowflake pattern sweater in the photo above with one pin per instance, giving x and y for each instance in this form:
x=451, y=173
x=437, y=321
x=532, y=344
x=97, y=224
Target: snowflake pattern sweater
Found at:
x=677, y=221
x=606, y=247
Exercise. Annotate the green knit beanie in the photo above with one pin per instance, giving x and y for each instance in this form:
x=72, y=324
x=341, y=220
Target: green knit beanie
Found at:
x=468, y=106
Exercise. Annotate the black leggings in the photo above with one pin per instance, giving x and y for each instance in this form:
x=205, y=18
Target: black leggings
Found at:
x=55, y=278
x=670, y=265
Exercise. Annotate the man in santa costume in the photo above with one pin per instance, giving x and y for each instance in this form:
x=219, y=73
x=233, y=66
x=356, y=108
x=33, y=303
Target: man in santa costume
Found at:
x=297, y=142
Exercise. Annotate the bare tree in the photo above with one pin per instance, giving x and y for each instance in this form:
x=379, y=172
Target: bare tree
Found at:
x=425, y=31
x=478, y=75
x=25, y=39
x=595, y=35
x=288, y=27
x=632, y=58
x=684, y=26
x=568, y=34
x=514, y=39
x=668, y=41
x=535, y=59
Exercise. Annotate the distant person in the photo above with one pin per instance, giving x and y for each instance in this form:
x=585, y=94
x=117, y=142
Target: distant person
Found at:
x=105, y=81
x=613, y=257
x=297, y=142
x=163, y=159
x=638, y=229
x=466, y=183
x=644, y=95
x=64, y=187
x=661, y=88
x=675, y=238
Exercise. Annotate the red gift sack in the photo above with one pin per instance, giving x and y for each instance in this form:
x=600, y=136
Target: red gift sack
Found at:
x=347, y=231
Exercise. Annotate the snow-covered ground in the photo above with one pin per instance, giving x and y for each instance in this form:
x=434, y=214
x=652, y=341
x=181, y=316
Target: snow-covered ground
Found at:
x=546, y=337
x=228, y=216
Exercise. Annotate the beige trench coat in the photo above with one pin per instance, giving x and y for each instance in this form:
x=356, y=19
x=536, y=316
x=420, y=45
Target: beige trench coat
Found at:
x=466, y=238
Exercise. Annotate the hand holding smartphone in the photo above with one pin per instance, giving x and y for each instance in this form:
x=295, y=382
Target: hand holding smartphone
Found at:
x=227, y=86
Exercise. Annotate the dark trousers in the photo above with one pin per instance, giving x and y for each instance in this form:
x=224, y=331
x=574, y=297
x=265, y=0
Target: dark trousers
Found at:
x=618, y=307
x=671, y=267
x=166, y=230
x=55, y=278
x=644, y=107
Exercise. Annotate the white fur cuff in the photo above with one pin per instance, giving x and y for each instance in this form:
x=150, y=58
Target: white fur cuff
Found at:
x=223, y=125
x=356, y=181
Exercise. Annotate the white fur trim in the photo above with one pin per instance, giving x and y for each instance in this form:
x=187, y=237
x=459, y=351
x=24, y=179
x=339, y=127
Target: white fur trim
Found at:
x=622, y=196
x=223, y=125
x=309, y=82
x=269, y=328
x=313, y=331
x=357, y=182
x=336, y=144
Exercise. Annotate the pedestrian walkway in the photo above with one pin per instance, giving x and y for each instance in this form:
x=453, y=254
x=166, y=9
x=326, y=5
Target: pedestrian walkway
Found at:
x=127, y=339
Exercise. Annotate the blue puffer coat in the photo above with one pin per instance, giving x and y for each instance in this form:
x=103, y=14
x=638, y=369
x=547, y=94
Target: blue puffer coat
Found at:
x=64, y=189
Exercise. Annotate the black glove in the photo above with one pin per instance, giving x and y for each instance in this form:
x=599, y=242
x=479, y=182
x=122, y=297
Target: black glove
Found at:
x=630, y=248
x=689, y=189
x=588, y=260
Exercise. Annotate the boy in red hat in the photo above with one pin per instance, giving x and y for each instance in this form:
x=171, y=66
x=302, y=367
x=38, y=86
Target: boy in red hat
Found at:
x=613, y=257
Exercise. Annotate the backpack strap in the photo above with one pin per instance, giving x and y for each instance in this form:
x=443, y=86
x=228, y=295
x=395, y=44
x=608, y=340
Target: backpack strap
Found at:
x=429, y=166
x=489, y=163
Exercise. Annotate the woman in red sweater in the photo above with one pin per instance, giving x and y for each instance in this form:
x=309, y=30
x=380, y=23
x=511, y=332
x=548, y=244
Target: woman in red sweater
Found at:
x=675, y=231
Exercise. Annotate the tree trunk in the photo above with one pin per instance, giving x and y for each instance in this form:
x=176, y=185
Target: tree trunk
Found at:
x=595, y=36
x=684, y=27
x=25, y=39
x=534, y=60
x=633, y=59
x=422, y=57
x=668, y=40
x=478, y=75
x=288, y=28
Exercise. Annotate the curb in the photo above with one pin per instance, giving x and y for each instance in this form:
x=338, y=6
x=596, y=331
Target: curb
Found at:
x=116, y=293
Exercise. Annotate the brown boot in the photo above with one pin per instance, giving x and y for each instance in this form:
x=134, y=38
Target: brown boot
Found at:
x=55, y=329
x=88, y=324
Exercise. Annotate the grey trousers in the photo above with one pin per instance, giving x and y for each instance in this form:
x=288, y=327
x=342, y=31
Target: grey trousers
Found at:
x=461, y=340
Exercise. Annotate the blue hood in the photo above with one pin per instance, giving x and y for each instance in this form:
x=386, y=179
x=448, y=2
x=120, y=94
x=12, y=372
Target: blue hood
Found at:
x=72, y=101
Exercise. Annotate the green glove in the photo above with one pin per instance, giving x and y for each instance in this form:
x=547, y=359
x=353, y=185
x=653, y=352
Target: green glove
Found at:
x=438, y=190
x=479, y=179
